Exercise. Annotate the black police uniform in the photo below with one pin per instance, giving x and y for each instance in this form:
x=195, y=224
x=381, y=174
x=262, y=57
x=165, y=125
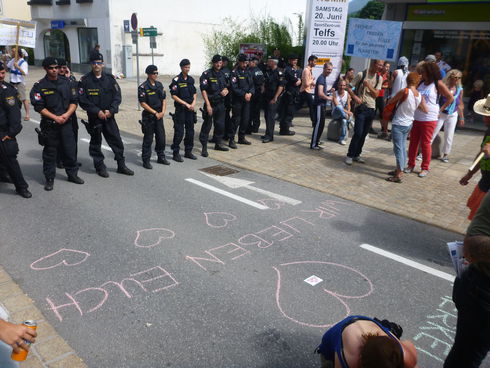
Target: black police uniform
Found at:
x=213, y=82
x=73, y=84
x=256, y=102
x=56, y=96
x=288, y=101
x=273, y=80
x=241, y=83
x=184, y=118
x=99, y=94
x=228, y=123
x=153, y=96
x=10, y=125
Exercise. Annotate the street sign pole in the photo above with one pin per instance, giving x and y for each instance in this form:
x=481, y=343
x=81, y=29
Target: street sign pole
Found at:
x=134, y=26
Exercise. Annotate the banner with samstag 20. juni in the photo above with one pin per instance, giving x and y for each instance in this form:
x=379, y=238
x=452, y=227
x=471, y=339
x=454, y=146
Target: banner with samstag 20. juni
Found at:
x=325, y=26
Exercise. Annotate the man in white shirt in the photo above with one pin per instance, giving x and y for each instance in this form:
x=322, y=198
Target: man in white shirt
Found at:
x=18, y=71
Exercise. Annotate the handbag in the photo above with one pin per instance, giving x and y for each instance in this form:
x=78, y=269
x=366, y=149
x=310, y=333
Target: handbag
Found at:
x=390, y=109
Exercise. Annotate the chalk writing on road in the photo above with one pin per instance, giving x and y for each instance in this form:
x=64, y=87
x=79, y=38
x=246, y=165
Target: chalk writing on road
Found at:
x=88, y=300
x=62, y=257
x=330, y=267
x=219, y=220
x=436, y=336
x=149, y=238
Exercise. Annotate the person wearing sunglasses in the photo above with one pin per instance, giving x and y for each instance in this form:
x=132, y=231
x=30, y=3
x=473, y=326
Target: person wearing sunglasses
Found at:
x=100, y=97
x=152, y=99
x=56, y=100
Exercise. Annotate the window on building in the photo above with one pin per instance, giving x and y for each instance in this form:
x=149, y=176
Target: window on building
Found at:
x=63, y=2
x=84, y=1
x=56, y=44
x=40, y=2
x=87, y=39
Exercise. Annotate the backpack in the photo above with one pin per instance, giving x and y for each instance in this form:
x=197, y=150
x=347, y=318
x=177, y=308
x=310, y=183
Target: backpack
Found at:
x=357, y=89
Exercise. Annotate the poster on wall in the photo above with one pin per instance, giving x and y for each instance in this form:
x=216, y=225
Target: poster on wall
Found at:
x=253, y=49
x=8, y=33
x=373, y=39
x=325, y=26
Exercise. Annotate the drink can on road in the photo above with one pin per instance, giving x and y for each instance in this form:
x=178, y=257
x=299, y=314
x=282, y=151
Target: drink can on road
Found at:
x=20, y=357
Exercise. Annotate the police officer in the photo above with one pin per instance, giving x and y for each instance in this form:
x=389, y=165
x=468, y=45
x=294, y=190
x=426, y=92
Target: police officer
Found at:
x=227, y=72
x=184, y=95
x=214, y=91
x=292, y=75
x=56, y=100
x=152, y=99
x=274, y=86
x=10, y=126
x=242, y=87
x=257, y=98
x=100, y=97
x=64, y=71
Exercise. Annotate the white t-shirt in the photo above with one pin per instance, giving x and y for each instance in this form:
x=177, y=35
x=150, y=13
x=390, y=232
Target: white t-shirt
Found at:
x=15, y=76
x=399, y=83
x=405, y=111
x=429, y=94
x=342, y=100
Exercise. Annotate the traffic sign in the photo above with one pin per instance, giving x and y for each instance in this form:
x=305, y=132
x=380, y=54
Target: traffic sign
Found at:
x=57, y=24
x=126, y=26
x=148, y=32
x=134, y=22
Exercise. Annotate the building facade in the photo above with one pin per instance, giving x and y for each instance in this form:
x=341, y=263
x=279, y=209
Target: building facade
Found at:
x=460, y=29
x=15, y=9
x=71, y=28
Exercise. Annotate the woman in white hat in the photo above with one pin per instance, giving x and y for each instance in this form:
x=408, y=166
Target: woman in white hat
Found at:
x=481, y=107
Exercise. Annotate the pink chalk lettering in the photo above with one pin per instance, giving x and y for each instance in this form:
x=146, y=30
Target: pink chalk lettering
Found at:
x=215, y=259
x=323, y=213
x=65, y=257
x=339, y=297
x=102, y=301
x=273, y=204
x=302, y=221
x=56, y=308
x=149, y=238
x=157, y=273
x=121, y=287
x=254, y=240
x=333, y=205
x=274, y=232
x=219, y=220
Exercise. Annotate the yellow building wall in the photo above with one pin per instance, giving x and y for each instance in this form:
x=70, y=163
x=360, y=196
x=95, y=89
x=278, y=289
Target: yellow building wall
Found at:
x=16, y=9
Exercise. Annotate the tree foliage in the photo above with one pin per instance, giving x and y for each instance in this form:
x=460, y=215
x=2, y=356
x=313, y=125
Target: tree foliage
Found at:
x=372, y=10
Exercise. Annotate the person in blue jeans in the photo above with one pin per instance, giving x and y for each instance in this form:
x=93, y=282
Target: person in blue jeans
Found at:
x=341, y=110
x=364, y=90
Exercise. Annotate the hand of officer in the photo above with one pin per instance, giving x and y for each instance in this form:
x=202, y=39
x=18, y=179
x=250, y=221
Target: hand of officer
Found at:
x=224, y=92
x=248, y=97
x=209, y=109
x=159, y=115
x=273, y=101
x=65, y=117
x=14, y=335
x=101, y=115
x=60, y=119
x=6, y=138
x=108, y=114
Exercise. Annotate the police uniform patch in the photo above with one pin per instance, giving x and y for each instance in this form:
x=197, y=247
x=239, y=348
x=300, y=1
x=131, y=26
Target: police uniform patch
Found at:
x=174, y=88
x=11, y=101
x=116, y=87
x=142, y=94
x=176, y=79
x=73, y=91
x=80, y=90
x=233, y=79
x=37, y=96
x=205, y=81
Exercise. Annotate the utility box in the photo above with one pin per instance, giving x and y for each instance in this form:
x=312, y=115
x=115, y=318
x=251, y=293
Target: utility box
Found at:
x=128, y=61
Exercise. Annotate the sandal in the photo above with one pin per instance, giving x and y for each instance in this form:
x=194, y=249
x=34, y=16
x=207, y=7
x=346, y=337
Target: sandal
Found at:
x=423, y=173
x=27, y=118
x=408, y=170
x=394, y=179
x=392, y=173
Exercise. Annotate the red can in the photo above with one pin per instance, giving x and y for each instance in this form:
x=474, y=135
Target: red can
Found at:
x=22, y=355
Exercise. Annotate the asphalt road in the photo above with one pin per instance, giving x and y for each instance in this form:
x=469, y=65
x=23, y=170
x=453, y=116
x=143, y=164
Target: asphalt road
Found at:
x=164, y=269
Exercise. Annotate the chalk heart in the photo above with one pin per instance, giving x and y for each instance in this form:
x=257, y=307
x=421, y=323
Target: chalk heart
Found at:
x=149, y=238
x=62, y=257
x=219, y=220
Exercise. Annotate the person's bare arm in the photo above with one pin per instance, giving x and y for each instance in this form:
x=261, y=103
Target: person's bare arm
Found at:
x=278, y=93
x=148, y=108
x=209, y=108
x=461, y=111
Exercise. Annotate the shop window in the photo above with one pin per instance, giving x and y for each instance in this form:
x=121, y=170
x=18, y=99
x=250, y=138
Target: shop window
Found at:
x=87, y=39
x=56, y=44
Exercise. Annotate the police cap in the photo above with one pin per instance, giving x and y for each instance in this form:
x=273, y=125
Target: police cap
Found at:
x=216, y=58
x=49, y=61
x=184, y=62
x=150, y=69
x=96, y=56
x=242, y=57
x=292, y=56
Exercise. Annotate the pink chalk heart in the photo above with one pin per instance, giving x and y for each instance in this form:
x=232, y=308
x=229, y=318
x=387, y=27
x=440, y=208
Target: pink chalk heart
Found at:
x=149, y=238
x=219, y=220
x=62, y=257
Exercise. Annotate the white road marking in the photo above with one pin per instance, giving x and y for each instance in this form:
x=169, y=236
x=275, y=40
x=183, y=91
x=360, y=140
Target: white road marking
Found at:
x=408, y=262
x=227, y=194
x=240, y=183
x=35, y=121
x=103, y=146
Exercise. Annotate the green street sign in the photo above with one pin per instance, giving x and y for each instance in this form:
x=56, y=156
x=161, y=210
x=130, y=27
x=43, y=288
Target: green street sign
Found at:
x=148, y=32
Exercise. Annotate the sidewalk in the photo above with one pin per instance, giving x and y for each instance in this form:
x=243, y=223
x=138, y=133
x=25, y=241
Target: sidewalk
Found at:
x=437, y=200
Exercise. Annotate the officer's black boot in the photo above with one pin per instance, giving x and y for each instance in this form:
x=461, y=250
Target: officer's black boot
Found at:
x=162, y=160
x=220, y=147
x=204, y=150
x=177, y=157
x=189, y=154
x=75, y=179
x=49, y=184
x=232, y=143
x=123, y=169
x=242, y=140
x=147, y=165
x=102, y=171
x=5, y=179
x=23, y=193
